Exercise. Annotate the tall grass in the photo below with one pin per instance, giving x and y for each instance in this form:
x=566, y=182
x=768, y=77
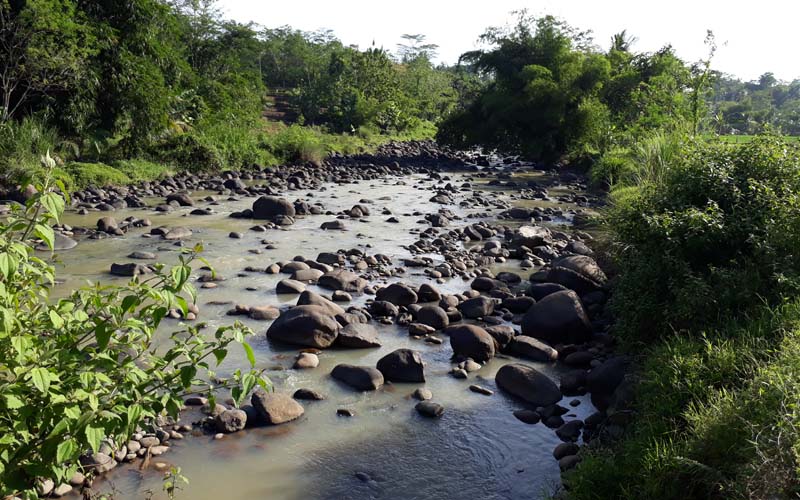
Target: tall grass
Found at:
x=717, y=418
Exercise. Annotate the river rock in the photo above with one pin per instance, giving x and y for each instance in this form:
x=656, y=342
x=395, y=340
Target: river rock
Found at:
x=305, y=361
x=275, y=408
x=60, y=243
x=342, y=279
x=264, y=313
x=311, y=326
x=107, y=225
x=178, y=233
x=402, y=365
x=477, y=307
x=183, y=199
x=308, y=395
x=433, y=316
x=99, y=463
x=130, y=269
x=577, y=272
x=398, y=294
x=502, y=334
x=472, y=342
x=309, y=298
x=361, y=378
x=230, y=421
x=538, y=291
x=527, y=384
x=558, y=318
x=269, y=207
x=429, y=409
x=289, y=287
x=428, y=293
x=533, y=349
x=358, y=336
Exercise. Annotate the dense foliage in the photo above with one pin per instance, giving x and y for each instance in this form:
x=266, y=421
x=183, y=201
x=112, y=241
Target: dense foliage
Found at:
x=84, y=369
x=712, y=238
x=553, y=93
x=176, y=83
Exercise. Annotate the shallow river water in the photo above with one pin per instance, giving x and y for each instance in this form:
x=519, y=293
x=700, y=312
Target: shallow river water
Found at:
x=478, y=449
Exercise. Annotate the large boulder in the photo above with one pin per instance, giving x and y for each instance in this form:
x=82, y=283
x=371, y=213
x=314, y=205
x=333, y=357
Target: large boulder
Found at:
x=433, y=316
x=524, y=382
x=274, y=408
x=269, y=207
x=342, y=279
x=398, y=294
x=471, y=341
x=358, y=336
x=577, y=272
x=311, y=326
x=361, y=378
x=402, y=365
x=558, y=318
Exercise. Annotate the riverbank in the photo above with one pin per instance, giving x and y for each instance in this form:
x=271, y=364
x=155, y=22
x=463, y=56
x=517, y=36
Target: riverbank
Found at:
x=260, y=145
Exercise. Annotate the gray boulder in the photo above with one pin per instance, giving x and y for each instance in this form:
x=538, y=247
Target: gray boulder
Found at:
x=471, y=341
x=311, y=326
x=274, y=408
x=361, y=378
x=269, y=207
x=358, y=336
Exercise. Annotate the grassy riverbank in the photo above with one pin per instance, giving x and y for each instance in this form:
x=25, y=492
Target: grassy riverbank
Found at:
x=211, y=149
x=706, y=301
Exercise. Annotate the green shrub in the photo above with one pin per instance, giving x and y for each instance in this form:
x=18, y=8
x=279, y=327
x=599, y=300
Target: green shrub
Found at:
x=716, y=418
x=82, y=369
x=296, y=144
x=238, y=144
x=142, y=170
x=719, y=231
x=95, y=174
x=189, y=151
x=614, y=167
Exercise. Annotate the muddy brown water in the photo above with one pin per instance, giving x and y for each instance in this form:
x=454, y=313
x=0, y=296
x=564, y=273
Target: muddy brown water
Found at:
x=476, y=450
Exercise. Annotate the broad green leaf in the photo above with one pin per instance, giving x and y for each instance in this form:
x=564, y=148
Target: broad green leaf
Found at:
x=13, y=402
x=45, y=233
x=41, y=379
x=94, y=436
x=55, y=319
x=66, y=450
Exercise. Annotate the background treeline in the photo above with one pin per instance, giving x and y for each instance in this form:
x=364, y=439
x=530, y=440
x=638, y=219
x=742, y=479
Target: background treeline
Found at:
x=113, y=87
x=753, y=107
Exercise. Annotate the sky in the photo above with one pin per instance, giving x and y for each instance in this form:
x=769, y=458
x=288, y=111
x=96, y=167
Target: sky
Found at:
x=754, y=37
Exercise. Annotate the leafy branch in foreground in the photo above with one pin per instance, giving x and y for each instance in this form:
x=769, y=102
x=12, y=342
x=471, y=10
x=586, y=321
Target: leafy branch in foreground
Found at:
x=90, y=367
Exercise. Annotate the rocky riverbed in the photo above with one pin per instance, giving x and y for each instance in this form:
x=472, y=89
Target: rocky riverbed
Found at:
x=433, y=321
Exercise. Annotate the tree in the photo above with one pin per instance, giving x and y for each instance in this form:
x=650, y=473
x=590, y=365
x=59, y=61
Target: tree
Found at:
x=45, y=46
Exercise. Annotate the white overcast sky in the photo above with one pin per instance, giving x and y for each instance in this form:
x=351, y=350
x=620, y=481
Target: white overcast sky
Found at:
x=753, y=36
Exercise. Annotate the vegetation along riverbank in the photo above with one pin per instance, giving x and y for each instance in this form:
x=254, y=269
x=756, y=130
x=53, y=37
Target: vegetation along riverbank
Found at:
x=558, y=268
